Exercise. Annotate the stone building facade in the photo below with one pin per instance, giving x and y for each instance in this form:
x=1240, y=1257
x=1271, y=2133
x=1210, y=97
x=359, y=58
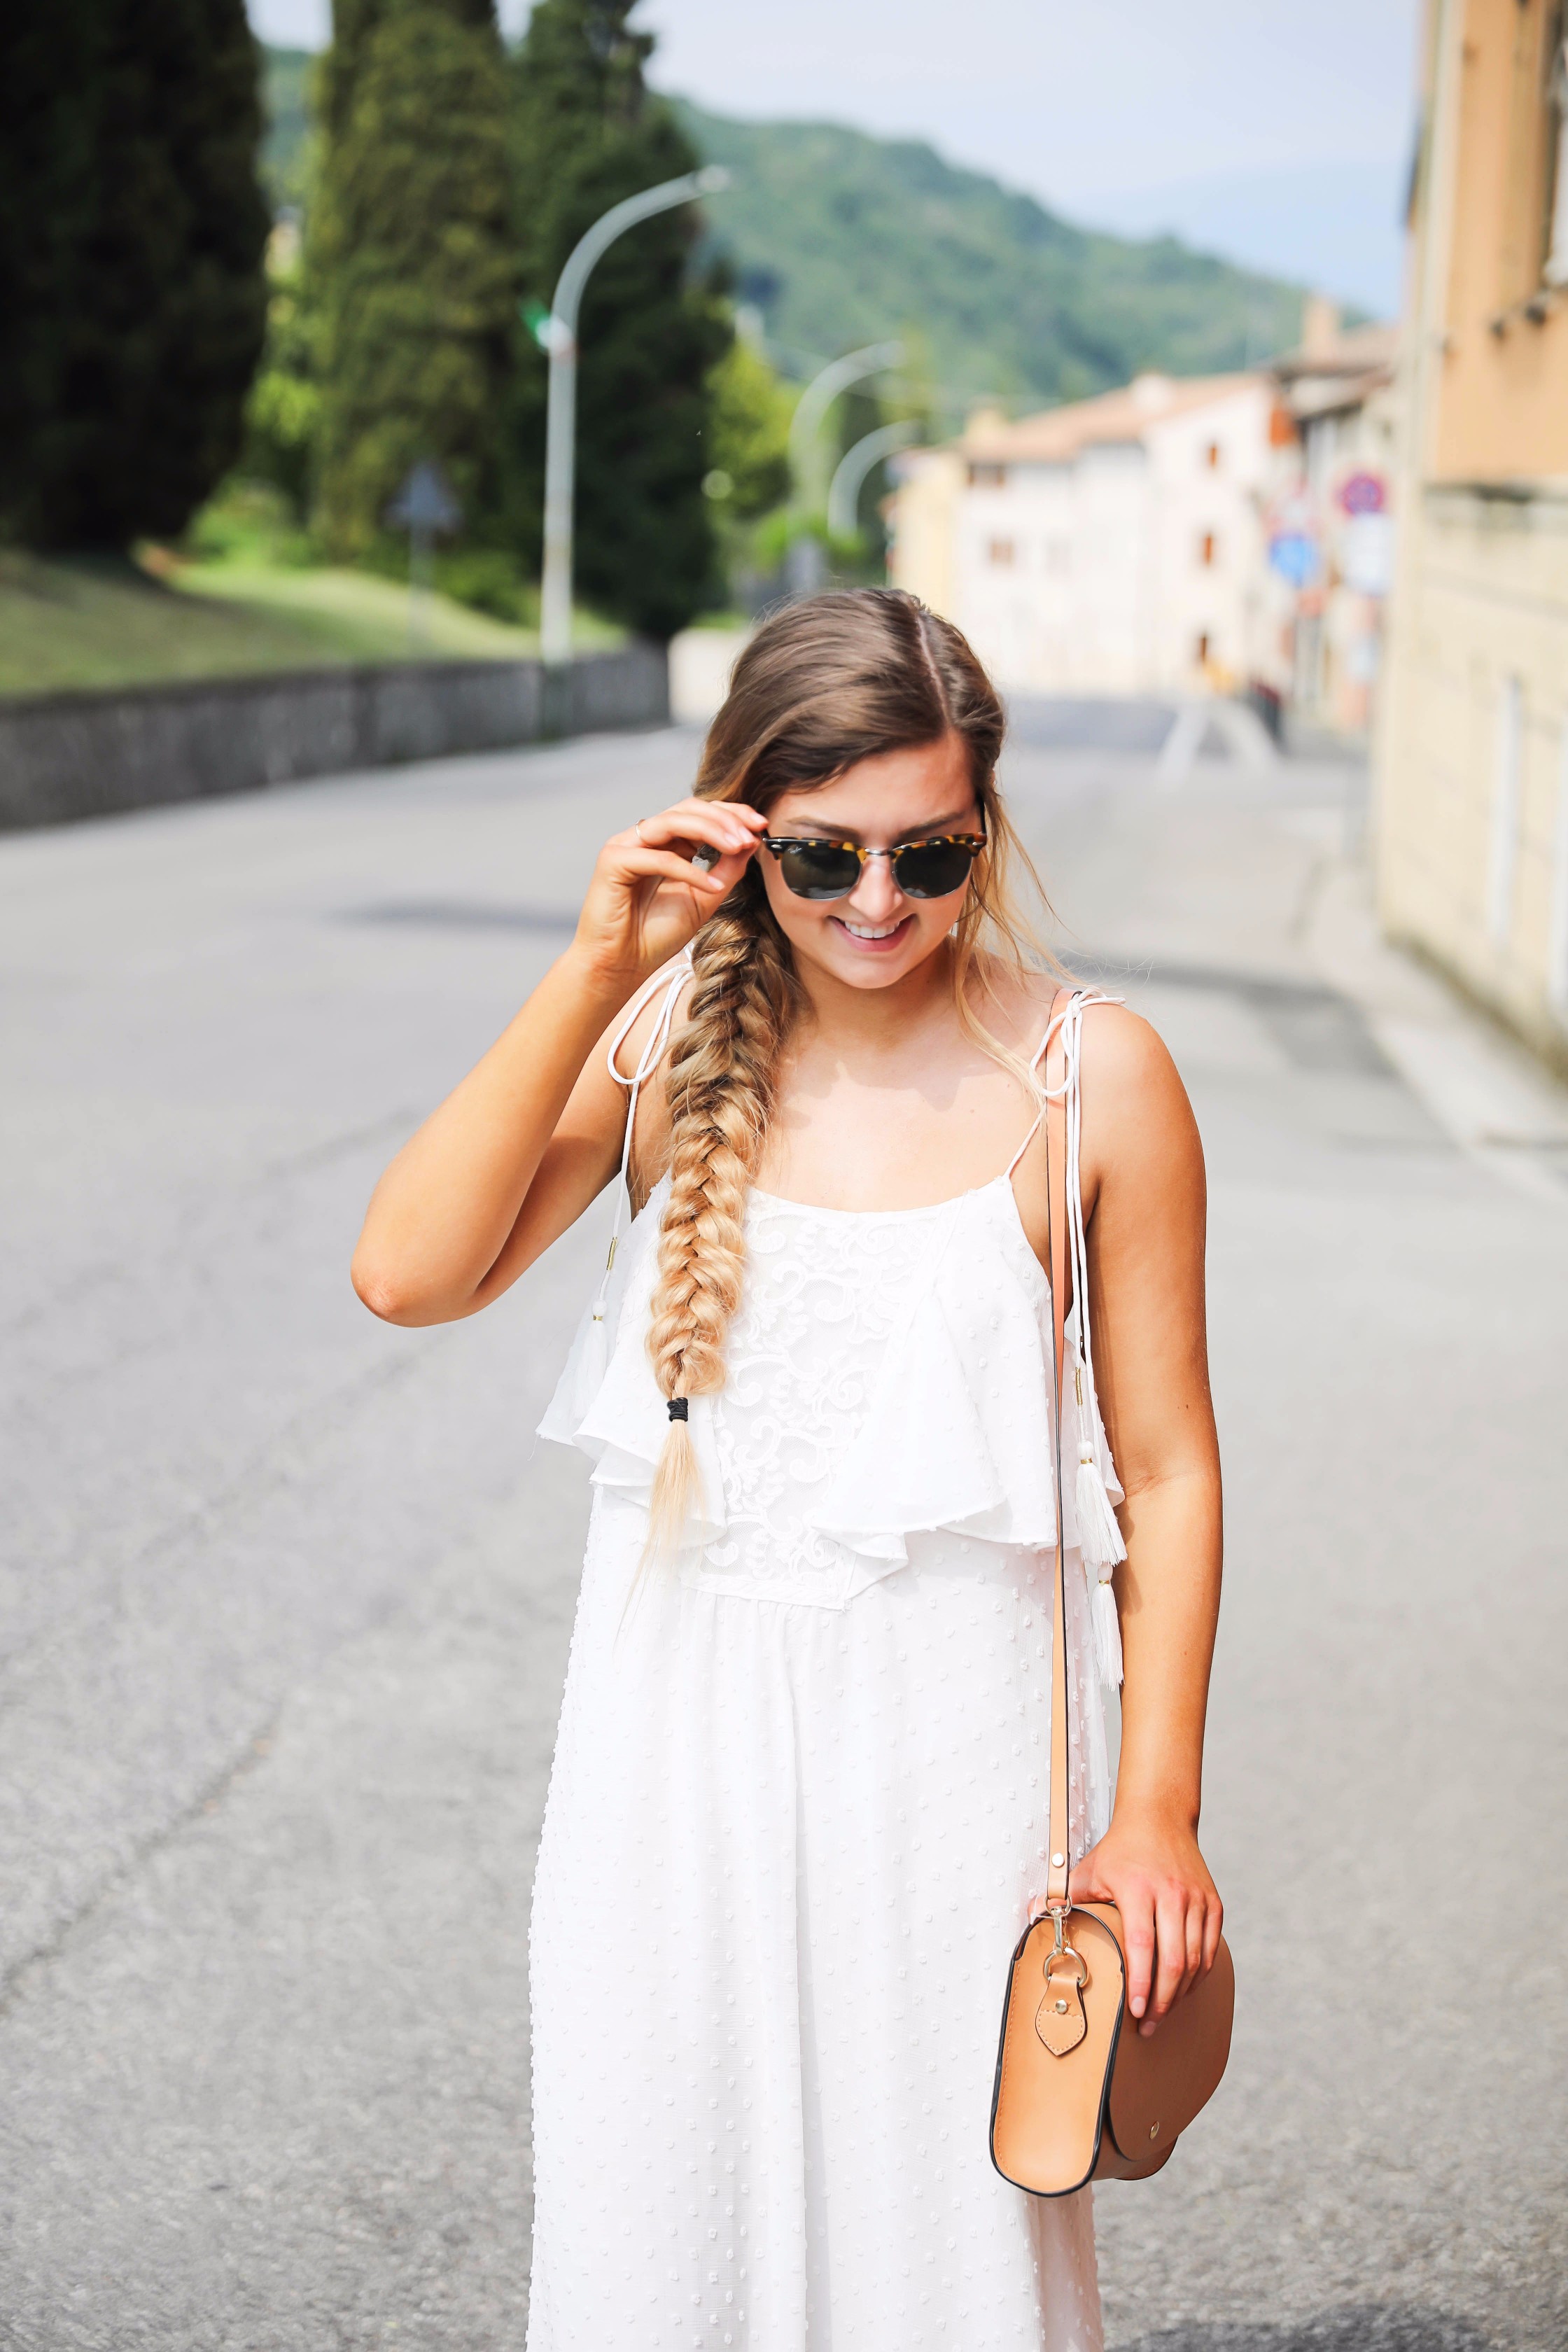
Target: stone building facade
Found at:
x=1471, y=815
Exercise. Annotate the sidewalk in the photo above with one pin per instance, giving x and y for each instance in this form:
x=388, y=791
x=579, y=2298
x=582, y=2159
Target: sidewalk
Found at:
x=1487, y=1091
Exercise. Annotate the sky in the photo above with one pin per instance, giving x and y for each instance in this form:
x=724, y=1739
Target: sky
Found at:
x=1276, y=134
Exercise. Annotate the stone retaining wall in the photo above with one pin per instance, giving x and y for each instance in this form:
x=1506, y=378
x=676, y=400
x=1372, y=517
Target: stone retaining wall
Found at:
x=76, y=755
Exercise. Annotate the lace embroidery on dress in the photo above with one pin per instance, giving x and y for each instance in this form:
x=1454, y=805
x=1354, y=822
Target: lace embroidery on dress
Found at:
x=826, y=1298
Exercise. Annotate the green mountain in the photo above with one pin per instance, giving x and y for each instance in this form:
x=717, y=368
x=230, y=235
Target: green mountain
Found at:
x=844, y=239
x=840, y=239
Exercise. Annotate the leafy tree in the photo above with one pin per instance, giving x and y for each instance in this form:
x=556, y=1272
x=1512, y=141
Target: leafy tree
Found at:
x=587, y=133
x=283, y=410
x=409, y=258
x=748, y=435
x=132, y=235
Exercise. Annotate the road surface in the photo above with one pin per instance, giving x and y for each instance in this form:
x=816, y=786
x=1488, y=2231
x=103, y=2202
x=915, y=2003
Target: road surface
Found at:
x=286, y=1595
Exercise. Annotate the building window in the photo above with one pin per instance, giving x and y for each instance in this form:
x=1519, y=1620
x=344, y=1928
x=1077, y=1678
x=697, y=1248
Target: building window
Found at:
x=1557, y=949
x=1554, y=269
x=988, y=477
x=1001, y=550
x=1211, y=457
x=1502, y=860
x=1206, y=549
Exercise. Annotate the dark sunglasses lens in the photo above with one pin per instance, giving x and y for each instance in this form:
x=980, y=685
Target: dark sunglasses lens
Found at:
x=932, y=869
x=819, y=869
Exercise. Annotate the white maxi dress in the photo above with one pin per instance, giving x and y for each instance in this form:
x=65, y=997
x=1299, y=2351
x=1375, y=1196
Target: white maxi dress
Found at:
x=798, y=1806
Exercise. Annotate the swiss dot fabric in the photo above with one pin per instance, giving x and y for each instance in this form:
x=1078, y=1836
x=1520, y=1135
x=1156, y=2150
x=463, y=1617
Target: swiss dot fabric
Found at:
x=797, y=1813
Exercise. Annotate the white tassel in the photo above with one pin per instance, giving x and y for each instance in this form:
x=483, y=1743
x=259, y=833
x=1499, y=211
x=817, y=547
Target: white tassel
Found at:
x=595, y=1359
x=1107, y=1632
x=1099, y=1537
x=1099, y=1540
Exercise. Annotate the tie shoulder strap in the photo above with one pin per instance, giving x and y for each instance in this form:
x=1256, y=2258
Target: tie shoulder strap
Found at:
x=1054, y=1115
x=648, y=1061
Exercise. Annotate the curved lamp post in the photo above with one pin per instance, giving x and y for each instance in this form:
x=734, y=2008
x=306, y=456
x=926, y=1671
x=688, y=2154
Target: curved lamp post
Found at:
x=822, y=392
x=558, y=333
x=843, y=492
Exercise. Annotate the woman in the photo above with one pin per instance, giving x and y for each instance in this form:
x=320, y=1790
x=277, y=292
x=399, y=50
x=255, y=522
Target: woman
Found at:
x=798, y=1807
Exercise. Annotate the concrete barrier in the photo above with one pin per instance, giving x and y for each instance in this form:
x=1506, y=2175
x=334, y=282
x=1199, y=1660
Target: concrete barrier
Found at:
x=76, y=755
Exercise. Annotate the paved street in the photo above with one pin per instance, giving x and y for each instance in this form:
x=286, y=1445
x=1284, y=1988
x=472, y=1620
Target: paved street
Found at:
x=286, y=1595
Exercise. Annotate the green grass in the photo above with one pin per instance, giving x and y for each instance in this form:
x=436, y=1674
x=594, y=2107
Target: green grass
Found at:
x=354, y=616
x=66, y=627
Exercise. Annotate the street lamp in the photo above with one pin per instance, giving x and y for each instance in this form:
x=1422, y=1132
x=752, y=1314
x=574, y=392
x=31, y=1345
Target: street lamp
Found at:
x=558, y=333
x=844, y=491
x=825, y=388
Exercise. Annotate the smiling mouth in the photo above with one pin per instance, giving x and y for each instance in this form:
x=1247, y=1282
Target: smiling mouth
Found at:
x=873, y=935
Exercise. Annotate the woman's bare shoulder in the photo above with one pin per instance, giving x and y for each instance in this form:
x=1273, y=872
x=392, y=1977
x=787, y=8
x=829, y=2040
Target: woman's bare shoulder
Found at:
x=1122, y=1049
x=1135, y=1108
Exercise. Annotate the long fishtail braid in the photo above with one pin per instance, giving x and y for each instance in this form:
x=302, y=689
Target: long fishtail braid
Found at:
x=724, y=1065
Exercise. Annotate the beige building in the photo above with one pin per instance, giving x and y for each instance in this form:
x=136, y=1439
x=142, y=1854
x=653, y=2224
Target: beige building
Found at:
x=1115, y=546
x=1337, y=488
x=1472, y=801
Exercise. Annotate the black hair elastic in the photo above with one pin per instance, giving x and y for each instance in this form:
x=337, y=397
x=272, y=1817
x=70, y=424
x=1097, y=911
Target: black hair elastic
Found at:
x=678, y=1408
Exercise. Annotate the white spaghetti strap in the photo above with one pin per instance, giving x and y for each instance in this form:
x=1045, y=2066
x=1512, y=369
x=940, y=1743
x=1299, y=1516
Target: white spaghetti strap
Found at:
x=1035, y=1059
x=648, y=1061
x=1070, y=1020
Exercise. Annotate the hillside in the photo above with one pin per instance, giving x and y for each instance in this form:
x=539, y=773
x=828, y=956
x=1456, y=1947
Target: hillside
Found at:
x=840, y=238
x=843, y=239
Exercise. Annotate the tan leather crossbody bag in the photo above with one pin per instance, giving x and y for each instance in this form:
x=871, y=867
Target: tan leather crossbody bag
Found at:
x=1080, y=2094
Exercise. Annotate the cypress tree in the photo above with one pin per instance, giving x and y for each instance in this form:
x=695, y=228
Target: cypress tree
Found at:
x=132, y=229
x=587, y=133
x=409, y=259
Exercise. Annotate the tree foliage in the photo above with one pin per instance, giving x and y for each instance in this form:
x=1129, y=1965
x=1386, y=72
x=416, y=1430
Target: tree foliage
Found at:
x=409, y=260
x=283, y=410
x=749, y=435
x=585, y=133
x=131, y=235
x=841, y=238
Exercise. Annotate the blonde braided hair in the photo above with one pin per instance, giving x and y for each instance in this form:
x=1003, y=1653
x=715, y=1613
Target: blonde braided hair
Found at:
x=822, y=684
x=724, y=1063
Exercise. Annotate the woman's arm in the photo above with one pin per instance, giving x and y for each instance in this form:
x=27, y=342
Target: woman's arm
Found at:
x=1145, y=1196
x=518, y=1151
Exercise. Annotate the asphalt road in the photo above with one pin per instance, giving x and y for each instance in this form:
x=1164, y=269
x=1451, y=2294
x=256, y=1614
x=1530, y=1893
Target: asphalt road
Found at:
x=286, y=1596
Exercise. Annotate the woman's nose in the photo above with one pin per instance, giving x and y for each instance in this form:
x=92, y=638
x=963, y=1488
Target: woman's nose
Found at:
x=876, y=895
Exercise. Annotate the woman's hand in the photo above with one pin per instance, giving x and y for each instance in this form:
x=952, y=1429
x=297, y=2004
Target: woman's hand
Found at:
x=1149, y=1867
x=646, y=898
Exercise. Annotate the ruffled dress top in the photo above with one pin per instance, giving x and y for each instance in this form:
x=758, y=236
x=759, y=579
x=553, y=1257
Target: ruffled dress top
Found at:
x=797, y=1811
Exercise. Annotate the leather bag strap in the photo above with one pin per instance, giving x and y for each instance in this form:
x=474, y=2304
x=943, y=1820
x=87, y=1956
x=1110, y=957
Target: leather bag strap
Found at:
x=1059, y=1854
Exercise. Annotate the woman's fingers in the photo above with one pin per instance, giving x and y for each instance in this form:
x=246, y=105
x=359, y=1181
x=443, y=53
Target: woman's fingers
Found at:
x=1170, y=1926
x=1137, y=1935
x=724, y=824
x=1194, y=1970
x=1170, y=1942
x=664, y=866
